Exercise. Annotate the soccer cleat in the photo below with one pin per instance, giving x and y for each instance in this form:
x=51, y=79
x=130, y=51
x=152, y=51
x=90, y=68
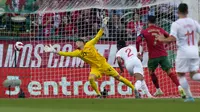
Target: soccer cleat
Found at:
x=150, y=97
x=98, y=96
x=182, y=93
x=137, y=94
x=158, y=92
x=189, y=99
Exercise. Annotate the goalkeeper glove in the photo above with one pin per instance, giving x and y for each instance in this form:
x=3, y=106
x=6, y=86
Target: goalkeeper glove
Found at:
x=49, y=49
x=105, y=22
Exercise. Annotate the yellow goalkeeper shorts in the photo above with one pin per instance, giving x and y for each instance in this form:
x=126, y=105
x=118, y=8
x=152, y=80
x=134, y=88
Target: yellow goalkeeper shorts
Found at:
x=105, y=69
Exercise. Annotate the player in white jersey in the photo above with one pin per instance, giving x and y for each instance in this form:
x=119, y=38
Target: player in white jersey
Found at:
x=128, y=55
x=184, y=32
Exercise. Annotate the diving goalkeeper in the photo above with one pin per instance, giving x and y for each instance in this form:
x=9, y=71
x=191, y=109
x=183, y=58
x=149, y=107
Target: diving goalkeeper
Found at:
x=88, y=53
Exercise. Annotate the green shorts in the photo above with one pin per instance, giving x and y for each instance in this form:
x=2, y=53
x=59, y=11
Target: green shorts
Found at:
x=162, y=61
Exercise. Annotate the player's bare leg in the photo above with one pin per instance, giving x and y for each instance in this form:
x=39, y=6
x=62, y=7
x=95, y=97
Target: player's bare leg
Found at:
x=194, y=76
x=92, y=79
x=174, y=78
x=140, y=84
x=184, y=83
x=156, y=84
x=125, y=81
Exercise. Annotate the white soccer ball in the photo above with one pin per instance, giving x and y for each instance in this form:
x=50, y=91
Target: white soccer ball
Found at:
x=18, y=46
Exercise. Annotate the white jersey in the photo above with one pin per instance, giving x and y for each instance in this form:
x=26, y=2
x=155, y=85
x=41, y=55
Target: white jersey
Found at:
x=131, y=61
x=185, y=31
x=127, y=54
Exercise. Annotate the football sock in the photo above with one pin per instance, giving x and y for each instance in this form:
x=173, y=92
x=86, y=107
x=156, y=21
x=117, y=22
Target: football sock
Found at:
x=94, y=86
x=184, y=84
x=126, y=82
x=145, y=88
x=155, y=80
x=174, y=78
x=196, y=77
x=138, y=84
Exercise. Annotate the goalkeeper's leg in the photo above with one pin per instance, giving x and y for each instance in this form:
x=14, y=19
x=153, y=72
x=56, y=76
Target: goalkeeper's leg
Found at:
x=109, y=70
x=94, y=75
x=125, y=81
x=92, y=79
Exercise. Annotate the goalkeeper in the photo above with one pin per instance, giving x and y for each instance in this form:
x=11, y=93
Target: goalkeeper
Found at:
x=88, y=53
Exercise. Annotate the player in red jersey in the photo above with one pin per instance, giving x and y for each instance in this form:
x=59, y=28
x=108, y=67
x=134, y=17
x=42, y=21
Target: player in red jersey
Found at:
x=157, y=54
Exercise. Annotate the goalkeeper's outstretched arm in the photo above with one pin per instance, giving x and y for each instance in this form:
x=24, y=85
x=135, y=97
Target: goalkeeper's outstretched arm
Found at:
x=96, y=38
x=75, y=53
x=100, y=32
x=50, y=49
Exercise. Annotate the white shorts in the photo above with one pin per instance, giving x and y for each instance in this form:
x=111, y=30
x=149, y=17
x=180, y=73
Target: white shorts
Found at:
x=184, y=65
x=135, y=66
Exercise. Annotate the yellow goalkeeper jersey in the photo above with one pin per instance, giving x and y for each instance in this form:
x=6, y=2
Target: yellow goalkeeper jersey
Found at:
x=89, y=54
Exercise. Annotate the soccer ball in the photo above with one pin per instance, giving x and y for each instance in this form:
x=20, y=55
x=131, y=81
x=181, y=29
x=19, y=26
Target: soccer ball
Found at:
x=18, y=46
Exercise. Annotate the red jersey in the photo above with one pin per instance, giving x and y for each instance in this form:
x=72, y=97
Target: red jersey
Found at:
x=156, y=48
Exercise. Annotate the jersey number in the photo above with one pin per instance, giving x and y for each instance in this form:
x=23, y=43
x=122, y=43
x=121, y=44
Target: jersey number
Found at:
x=128, y=51
x=190, y=37
x=155, y=41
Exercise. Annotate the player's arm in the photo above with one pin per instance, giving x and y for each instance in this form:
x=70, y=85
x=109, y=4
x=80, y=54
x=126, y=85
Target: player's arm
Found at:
x=173, y=35
x=164, y=39
x=120, y=63
x=75, y=53
x=138, y=45
x=96, y=38
x=138, y=42
x=50, y=49
x=100, y=32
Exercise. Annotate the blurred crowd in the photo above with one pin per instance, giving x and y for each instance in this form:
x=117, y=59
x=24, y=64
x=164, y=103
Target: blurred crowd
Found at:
x=123, y=23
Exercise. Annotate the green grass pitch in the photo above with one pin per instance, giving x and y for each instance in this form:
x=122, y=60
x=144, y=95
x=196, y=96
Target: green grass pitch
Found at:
x=98, y=105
